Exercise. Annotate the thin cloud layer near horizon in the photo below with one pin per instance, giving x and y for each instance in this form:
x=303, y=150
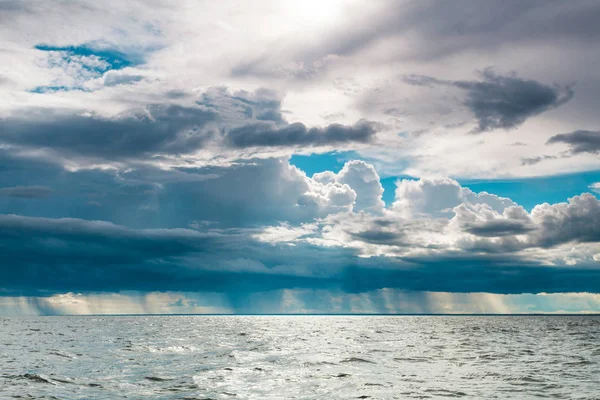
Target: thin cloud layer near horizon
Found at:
x=299, y=157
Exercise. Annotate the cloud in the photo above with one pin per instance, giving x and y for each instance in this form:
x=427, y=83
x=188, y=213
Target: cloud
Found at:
x=506, y=102
x=158, y=129
x=482, y=277
x=425, y=33
x=123, y=112
x=220, y=121
x=498, y=228
x=242, y=107
x=535, y=160
x=481, y=220
x=270, y=227
x=595, y=187
x=297, y=134
x=439, y=218
x=363, y=179
x=441, y=30
x=93, y=256
x=248, y=193
x=502, y=102
x=45, y=255
x=74, y=67
x=579, y=141
x=26, y=192
x=114, y=79
x=339, y=61
x=111, y=58
x=379, y=236
x=488, y=216
x=256, y=192
x=426, y=196
x=74, y=238
x=438, y=196
x=574, y=221
x=100, y=256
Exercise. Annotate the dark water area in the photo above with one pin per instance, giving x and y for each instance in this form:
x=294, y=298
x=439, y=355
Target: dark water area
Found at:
x=300, y=357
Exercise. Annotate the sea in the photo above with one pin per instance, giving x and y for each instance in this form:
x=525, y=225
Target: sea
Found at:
x=300, y=357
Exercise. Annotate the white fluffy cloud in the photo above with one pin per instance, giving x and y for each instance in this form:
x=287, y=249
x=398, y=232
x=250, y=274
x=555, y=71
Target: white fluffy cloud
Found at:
x=437, y=217
x=254, y=192
x=364, y=181
x=438, y=197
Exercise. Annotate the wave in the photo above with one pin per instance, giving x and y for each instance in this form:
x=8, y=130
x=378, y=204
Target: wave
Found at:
x=357, y=360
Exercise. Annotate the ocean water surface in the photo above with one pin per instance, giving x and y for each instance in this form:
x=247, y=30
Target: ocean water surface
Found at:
x=300, y=357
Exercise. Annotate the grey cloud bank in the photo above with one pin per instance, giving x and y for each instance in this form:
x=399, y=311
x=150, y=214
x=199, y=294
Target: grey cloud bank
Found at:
x=27, y=192
x=503, y=102
x=219, y=120
x=164, y=129
x=151, y=147
x=580, y=141
x=297, y=134
x=95, y=256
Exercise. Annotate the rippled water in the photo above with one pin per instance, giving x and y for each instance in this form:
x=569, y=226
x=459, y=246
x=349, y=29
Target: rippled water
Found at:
x=312, y=357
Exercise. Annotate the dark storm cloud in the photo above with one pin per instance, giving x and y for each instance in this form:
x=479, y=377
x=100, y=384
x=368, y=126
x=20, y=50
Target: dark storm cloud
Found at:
x=473, y=275
x=58, y=255
x=268, y=135
x=502, y=101
x=87, y=193
x=163, y=129
x=580, y=141
x=41, y=256
x=26, y=192
x=77, y=240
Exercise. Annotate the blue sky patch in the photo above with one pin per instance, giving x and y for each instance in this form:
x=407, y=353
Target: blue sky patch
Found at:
x=82, y=63
x=532, y=191
x=527, y=192
x=332, y=161
x=115, y=59
x=52, y=89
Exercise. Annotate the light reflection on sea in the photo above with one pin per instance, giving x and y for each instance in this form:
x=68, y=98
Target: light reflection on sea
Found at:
x=308, y=357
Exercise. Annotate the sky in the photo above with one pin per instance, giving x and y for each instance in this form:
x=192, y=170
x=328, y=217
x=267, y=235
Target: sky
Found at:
x=331, y=156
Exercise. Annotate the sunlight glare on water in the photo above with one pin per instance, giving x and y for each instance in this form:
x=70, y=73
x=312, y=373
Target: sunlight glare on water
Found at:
x=311, y=357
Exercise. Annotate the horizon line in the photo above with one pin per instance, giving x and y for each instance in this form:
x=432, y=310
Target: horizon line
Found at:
x=595, y=314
